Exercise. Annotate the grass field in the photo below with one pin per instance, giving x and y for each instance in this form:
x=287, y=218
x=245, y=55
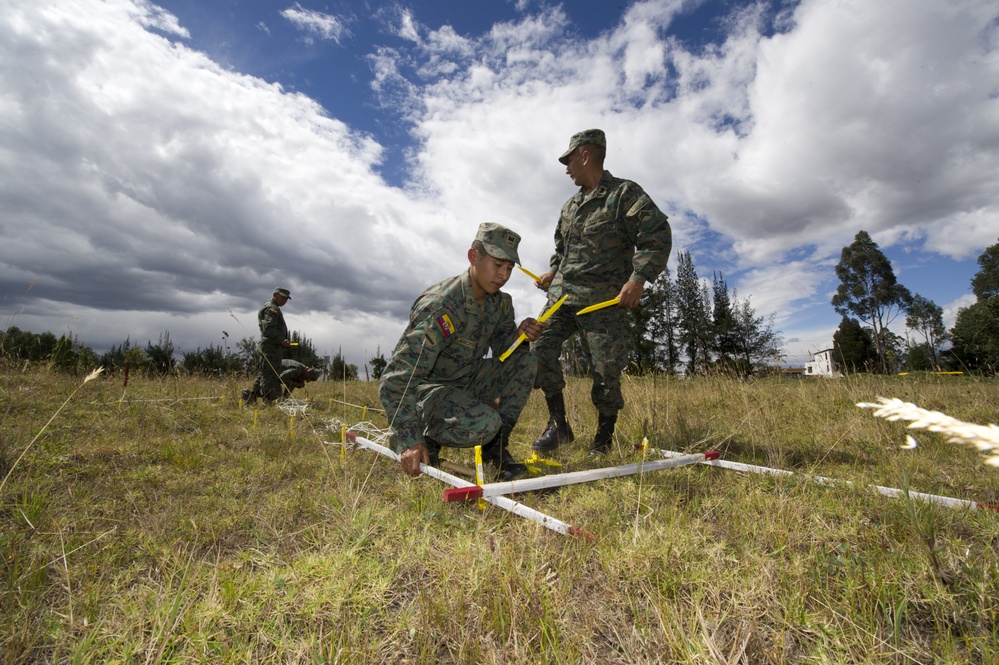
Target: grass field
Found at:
x=176, y=527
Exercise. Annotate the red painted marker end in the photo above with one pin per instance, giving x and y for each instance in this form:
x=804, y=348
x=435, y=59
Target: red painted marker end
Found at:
x=462, y=493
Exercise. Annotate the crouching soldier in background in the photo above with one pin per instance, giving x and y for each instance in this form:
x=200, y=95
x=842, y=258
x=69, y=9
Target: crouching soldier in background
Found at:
x=294, y=375
x=444, y=384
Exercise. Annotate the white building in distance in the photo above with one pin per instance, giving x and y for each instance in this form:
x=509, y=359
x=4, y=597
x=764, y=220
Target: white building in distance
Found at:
x=823, y=365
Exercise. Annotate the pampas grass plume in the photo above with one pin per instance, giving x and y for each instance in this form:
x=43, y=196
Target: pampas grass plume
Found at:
x=984, y=438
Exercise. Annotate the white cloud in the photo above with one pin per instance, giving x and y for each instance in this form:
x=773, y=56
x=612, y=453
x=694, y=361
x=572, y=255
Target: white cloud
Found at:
x=407, y=27
x=191, y=191
x=780, y=141
x=151, y=16
x=784, y=289
x=323, y=26
x=889, y=131
x=951, y=309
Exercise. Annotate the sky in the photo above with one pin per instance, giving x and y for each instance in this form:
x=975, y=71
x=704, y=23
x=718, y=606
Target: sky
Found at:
x=164, y=166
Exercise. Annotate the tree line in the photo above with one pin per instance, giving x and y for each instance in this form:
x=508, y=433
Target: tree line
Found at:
x=869, y=298
x=66, y=353
x=685, y=324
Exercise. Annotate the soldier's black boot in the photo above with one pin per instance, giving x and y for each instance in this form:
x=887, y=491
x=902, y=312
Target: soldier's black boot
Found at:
x=495, y=452
x=558, y=430
x=605, y=435
x=434, y=448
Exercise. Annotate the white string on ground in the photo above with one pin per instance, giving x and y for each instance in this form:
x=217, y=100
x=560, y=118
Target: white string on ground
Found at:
x=293, y=406
x=159, y=399
x=357, y=406
x=370, y=431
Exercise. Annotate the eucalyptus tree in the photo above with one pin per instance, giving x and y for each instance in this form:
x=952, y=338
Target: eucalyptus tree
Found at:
x=985, y=283
x=925, y=317
x=853, y=346
x=870, y=291
x=976, y=332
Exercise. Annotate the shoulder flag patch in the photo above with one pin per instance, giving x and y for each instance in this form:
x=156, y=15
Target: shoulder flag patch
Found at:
x=639, y=203
x=447, y=327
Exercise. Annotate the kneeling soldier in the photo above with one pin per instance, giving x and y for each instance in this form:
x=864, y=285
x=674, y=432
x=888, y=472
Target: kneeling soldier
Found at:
x=444, y=385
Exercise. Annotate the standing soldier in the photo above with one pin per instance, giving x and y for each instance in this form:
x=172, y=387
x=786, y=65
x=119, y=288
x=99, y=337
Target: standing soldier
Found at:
x=611, y=240
x=270, y=350
x=444, y=384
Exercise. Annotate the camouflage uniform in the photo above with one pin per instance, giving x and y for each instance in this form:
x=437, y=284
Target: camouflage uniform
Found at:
x=270, y=351
x=444, y=372
x=604, y=238
x=295, y=374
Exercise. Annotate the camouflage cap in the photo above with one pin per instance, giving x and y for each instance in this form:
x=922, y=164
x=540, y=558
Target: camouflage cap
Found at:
x=585, y=137
x=499, y=241
x=281, y=291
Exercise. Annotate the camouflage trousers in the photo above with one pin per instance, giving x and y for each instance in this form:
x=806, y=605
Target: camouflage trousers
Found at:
x=605, y=334
x=462, y=415
x=268, y=381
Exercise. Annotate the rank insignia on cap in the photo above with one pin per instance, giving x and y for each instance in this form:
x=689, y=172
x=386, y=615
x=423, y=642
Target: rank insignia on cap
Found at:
x=447, y=327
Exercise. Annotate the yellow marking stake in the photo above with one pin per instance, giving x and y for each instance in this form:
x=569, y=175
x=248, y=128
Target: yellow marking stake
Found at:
x=600, y=305
x=530, y=274
x=541, y=319
x=478, y=474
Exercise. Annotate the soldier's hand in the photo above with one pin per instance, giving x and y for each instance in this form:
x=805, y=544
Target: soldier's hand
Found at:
x=631, y=293
x=286, y=343
x=545, y=281
x=531, y=329
x=412, y=457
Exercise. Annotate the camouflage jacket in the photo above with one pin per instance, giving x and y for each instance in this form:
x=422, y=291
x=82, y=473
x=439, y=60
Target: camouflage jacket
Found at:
x=448, y=336
x=273, y=330
x=604, y=238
